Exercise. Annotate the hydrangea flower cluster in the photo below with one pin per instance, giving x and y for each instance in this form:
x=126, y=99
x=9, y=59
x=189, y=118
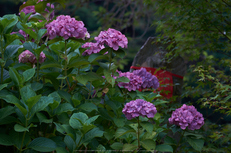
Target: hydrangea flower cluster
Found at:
x=92, y=48
x=66, y=27
x=187, y=116
x=31, y=9
x=139, y=107
x=112, y=38
x=28, y=57
x=149, y=80
x=135, y=81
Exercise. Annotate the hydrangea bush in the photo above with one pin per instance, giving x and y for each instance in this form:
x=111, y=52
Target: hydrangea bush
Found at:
x=54, y=100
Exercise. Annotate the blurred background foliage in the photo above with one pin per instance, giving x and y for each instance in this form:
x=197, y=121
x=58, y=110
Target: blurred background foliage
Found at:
x=199, y=28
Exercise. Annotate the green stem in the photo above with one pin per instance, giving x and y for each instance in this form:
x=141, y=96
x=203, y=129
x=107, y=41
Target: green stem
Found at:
x=37, y=69
x=138, y=133
x=179, y=142
x=24, y=134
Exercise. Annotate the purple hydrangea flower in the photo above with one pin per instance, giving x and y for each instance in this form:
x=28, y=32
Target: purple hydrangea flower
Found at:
x=28, y=57
x=139, y=107
x=135, y=81
x=112, y=38
x=25, y=35
x=66, y=27
x=93, y=48
x=149, y=80
x=187, y=116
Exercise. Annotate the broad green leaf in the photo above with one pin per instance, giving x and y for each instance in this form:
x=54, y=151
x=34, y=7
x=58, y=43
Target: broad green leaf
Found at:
x=197, y=144
x=164, y=148
x=5, y=140
x=129, y=147
x=122, y=131
x=32, y=101
x=8, y=22
x=96, y=132
x=43, y=102
x=77, y=119
x=50, y=63
x=30, y=46
x=65, y=107
x=117, y=146
x=42, y=144
x=16, y=78
x=41, y=33
x=87, y=127
x=109, y=77
x=147, y=126
x=65, y=95
x=11, y=51
x=26, y=92
x=148, y=144
x=6, y=111
x=122, y=79
x=3, y=86
x=77, y=62
x=28, y=74
x=20, y=128
x=92, y=119
x=120, y=122
x=43, y=119
x=70, y=143
x=120, y=53
x=88, y=107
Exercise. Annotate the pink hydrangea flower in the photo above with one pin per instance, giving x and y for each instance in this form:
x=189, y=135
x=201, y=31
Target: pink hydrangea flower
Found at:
x=135, y=81
x=139, y=107
x=28, y=57
x=187, y=116
x=112, y=38
x=25, y=35
x=149, y=80
x=93, y=48
x=66, y=27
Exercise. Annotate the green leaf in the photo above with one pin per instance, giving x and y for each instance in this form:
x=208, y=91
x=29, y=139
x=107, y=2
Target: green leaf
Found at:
x=197, y=144
x=16, y=78
x=148, y=144
x=43, y=102
x=96, y=132
x=6, y=111
x=8, y=22
x=109, y=77
x=120, y=53
x=164, y=148
x=50, y=63
x=65, y=95
x=28, y=74
x=122, y=131
x=122, y=79
x=147, y=126
x=65, y=107
x=92, y=119
x=77, y=119
x=93, y=57
x=70, y=143
x=120, y=122
x=3, y=86
x=5, y=140
x=77, y=62
x=117, y=146
x=20, y=128
x=42, y=144
x=11, y=51
x=26, y=92
x=42, y=118
x=13, y=100
x=129, y=147
x=87, y=127
x=88, y=107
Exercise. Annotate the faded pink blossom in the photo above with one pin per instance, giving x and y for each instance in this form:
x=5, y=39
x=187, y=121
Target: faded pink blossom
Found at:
x=29, y=57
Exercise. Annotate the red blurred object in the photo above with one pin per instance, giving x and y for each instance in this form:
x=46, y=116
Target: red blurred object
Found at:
x=165, y=80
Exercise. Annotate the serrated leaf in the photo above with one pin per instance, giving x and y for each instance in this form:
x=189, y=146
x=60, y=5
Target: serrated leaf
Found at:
x=197, y=144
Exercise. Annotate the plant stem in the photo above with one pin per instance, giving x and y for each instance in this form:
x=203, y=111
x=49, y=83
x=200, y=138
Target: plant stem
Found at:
x=138, y=133
x=24, y=134
x=179, y=142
